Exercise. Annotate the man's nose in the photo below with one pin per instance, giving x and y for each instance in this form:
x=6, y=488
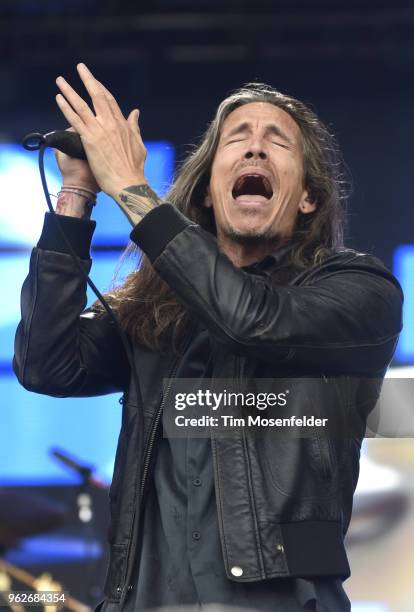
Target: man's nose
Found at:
x=255, y=149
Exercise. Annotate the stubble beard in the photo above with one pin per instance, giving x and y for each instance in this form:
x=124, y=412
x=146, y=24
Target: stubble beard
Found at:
x=253, y=238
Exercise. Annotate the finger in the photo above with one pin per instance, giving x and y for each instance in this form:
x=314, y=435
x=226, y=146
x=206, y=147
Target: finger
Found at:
x=78, y=104
x=94, y=86
x=113, y=104
x=133, y=119
x=69, y=114
x=96, y=91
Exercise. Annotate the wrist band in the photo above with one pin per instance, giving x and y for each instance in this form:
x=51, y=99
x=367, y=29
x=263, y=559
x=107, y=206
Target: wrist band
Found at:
x=90, y=201
x=93, y=193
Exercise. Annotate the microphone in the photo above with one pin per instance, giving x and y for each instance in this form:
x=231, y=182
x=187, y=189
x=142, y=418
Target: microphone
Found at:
x=66, y=142
x=85, y=471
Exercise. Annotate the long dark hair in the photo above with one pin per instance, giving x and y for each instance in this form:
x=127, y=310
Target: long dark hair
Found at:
x=146, y=306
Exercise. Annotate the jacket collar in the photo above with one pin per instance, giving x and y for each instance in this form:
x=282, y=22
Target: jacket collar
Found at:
x=272, y=260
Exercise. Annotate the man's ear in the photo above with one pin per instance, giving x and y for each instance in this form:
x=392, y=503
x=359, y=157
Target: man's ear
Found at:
x=306, y=205
x=207, y=199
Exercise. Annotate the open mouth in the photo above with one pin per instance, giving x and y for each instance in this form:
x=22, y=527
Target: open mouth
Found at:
x=252, y=185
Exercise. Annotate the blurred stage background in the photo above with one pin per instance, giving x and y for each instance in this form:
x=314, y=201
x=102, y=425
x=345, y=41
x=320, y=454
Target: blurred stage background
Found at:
x=353, y=62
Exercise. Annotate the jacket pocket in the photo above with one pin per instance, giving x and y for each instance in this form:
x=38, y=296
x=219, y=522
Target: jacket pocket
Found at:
x=299, y=468
x=324, y=450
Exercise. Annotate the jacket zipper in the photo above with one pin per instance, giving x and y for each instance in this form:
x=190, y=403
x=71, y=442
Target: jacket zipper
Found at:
x=154, y=428
x=147, y=458
x=155, y=423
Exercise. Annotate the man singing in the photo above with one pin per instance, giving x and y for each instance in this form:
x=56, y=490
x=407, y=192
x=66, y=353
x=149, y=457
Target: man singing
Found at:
x=243, y=275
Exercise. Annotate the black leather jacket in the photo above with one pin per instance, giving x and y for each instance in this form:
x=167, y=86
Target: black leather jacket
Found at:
x=284, y=505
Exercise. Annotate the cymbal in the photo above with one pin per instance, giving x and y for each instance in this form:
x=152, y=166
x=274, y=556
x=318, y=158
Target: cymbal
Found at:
x=23, y=514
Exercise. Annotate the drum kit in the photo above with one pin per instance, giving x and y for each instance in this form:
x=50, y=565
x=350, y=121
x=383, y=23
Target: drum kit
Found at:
x=23, y=516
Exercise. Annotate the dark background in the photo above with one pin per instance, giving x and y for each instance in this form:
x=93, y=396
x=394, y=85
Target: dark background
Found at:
x=351, y=61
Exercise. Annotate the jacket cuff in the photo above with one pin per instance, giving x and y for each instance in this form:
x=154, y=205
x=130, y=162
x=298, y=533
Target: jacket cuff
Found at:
x=79, y=232
x=158, y=228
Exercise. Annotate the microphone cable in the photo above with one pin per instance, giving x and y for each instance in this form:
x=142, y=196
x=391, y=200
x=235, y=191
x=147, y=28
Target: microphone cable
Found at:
x=36, y=141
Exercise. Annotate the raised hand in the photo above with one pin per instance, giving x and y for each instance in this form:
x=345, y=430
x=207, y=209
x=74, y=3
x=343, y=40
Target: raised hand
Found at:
x=113, y=145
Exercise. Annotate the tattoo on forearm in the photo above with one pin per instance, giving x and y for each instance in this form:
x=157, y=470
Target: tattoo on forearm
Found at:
x=144, y=191
x=138, y=208
x=139, y=199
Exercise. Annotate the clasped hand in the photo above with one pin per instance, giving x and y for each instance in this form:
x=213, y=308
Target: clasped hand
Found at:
x=113, y=145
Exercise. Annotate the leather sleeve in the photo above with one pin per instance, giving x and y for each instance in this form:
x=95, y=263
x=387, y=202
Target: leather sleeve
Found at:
x=347, y=317
x=61, y=349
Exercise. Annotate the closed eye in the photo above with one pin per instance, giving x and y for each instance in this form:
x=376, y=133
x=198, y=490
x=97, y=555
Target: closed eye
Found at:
x=280, y=144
